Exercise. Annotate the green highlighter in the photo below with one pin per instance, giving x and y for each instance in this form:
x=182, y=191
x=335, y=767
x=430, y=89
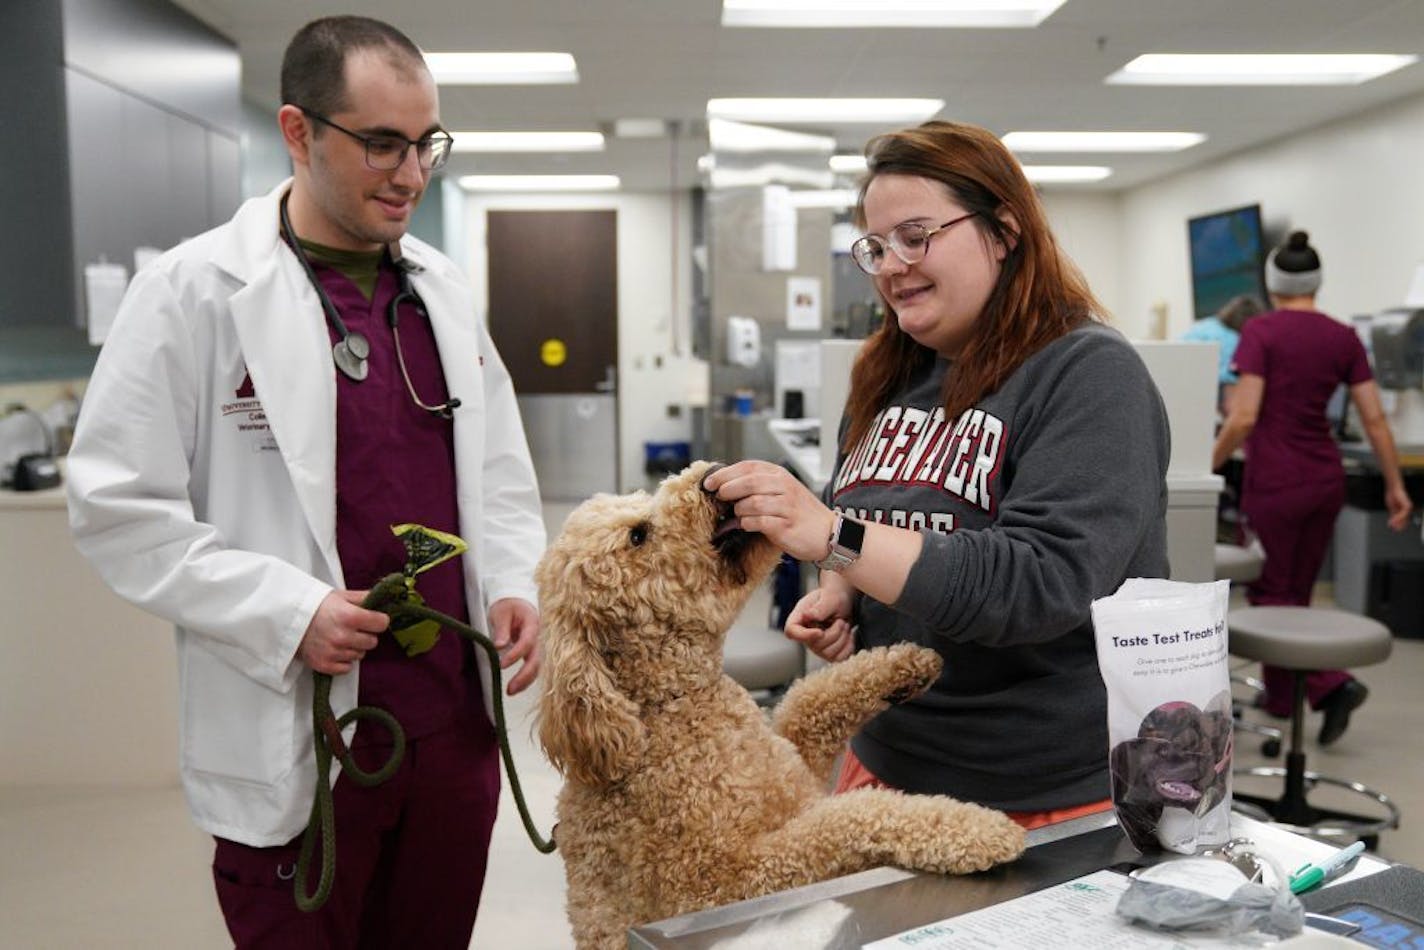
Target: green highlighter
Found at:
x=1312, y=875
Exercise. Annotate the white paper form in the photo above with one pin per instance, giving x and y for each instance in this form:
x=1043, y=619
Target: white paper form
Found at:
x=104, y=286
x=145, y=255
x=1077, y=913
x=798, y=364
x=803, y=303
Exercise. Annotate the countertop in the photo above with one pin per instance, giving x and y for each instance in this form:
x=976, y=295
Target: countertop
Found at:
x=1410, y=456
x=45, y=499
x=885, y=901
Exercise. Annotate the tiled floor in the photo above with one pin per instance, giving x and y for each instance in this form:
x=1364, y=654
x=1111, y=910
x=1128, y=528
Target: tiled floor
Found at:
x=123, y=867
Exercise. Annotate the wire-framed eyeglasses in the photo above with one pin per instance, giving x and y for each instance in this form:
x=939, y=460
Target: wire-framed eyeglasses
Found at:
x=386, y=152
x=910, y=242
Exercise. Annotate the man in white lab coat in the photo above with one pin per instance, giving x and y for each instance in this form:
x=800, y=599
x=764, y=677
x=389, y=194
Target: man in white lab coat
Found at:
x=274, y=395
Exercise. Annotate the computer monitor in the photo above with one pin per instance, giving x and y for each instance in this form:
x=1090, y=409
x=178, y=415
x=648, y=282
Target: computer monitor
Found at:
x=1228, y=257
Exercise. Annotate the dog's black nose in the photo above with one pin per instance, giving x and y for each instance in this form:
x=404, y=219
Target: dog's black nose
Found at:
x=715, y=467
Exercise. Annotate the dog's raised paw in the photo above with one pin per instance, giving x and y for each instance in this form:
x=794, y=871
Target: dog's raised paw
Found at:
x=918, y=668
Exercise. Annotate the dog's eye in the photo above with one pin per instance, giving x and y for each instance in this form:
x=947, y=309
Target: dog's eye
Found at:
x=638, y=534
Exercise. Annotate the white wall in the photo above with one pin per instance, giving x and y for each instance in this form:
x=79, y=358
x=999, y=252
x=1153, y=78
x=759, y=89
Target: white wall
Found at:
x=655, y=370
x=1357, y=186
x=1088, y=228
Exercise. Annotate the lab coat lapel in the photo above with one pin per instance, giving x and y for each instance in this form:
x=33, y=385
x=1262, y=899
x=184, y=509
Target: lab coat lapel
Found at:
x=284, y=341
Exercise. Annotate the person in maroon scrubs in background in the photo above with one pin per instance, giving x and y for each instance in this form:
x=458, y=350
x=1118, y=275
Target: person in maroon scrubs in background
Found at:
x=1289, y=362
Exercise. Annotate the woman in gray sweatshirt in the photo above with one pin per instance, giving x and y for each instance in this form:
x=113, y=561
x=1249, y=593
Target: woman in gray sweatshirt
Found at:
x=1002, y=462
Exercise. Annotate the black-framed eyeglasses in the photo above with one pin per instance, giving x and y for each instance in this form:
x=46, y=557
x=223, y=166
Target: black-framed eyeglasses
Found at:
x=910, y=242
x=386, y=152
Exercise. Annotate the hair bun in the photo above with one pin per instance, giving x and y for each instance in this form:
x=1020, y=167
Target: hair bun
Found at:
x=1293, y=269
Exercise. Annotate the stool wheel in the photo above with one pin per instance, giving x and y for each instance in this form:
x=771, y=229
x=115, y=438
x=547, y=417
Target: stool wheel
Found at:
x=1271, y=748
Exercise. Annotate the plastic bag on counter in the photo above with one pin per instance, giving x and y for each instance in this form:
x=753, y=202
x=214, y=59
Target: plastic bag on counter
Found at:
x=1205, y=895
x=1162, y=653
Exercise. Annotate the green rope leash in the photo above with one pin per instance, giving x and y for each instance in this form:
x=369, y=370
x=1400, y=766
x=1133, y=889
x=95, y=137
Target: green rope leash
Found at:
x=393, y=597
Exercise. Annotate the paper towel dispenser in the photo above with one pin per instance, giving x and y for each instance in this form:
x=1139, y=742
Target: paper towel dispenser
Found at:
x=1397, y=341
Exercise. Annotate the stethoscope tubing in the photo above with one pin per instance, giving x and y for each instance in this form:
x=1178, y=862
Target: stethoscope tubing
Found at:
x=351, y=352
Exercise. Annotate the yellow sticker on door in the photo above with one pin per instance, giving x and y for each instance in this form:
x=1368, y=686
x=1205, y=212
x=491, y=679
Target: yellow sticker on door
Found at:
x=553, y=352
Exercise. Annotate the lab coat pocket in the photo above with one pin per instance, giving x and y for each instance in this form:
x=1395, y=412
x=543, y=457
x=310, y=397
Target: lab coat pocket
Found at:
x=233, y=726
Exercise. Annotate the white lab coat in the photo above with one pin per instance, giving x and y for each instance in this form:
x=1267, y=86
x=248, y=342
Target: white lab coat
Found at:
x=213, y=504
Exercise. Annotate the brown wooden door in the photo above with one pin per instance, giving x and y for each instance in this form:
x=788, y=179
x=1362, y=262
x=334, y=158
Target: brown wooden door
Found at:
x=553, y=298
x=553, y=291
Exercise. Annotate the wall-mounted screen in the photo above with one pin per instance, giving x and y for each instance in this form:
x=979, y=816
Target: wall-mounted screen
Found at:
x=1228, y=257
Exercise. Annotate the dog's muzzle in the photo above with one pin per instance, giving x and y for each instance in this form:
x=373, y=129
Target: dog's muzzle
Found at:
x=727, y=535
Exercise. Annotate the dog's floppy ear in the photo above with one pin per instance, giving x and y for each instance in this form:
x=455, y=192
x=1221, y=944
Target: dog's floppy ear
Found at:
x=588, y=729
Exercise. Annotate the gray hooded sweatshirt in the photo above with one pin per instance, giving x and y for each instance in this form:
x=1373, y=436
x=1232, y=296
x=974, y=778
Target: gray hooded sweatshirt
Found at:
x=1047, y=494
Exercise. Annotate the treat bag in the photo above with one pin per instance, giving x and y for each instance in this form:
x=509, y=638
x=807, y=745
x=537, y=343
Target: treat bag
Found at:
x=1162, y=653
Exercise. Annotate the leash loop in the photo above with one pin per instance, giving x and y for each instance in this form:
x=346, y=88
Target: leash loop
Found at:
x=389, y=597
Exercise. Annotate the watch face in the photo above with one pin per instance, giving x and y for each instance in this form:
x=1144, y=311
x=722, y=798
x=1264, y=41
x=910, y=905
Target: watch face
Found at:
x=851, y=536
x=846, y=543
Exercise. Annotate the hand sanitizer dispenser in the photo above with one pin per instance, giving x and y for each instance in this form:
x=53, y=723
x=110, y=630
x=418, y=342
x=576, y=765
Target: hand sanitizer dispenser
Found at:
x=743, y=341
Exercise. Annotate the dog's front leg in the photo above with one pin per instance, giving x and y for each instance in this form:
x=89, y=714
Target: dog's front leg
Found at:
x=821, y=712
x=871, y=827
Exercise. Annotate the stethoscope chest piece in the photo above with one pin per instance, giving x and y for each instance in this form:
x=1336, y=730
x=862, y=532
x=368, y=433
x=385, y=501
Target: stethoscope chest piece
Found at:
x=351, y=354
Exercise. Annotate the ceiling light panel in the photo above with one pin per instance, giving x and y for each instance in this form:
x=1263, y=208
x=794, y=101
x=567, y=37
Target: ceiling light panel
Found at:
x=640, y=128
x=515, y=142
x=770, y=173
x=848, y=164
x=1065, y=173
x=514, y=69
x=728, y=136
x=858, y=14
x=1101, y=141
x=835, y=198
x=824, y=111
x=1257, y=69
x=539, y=182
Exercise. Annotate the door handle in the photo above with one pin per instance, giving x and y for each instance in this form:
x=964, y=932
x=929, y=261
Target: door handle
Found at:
x=609, y=383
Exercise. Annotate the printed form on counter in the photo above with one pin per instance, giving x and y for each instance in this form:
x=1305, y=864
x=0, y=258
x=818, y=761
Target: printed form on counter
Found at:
x=1077, y=913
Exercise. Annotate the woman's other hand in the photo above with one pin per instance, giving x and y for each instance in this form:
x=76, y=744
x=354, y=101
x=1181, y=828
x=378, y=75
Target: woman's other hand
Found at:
x=821, y=621
x=1397, y=500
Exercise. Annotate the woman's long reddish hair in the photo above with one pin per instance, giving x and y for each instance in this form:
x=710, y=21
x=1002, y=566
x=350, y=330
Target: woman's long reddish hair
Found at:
x=1039, y=296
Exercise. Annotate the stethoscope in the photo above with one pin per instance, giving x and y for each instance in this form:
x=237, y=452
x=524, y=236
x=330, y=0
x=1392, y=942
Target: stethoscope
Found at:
x=352, y=352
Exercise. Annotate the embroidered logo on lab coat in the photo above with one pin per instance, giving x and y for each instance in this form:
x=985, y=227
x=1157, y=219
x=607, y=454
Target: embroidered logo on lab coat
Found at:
x=248, y=417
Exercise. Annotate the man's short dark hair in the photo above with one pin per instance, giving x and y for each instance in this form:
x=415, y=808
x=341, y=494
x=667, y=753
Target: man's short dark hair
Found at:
x=314, y=66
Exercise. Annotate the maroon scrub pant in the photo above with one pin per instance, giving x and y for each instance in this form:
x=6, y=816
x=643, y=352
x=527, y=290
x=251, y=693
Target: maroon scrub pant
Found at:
x=1295, y=525
x=410, y=855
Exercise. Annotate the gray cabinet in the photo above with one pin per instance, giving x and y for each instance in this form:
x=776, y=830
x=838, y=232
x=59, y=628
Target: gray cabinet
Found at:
x=140, y=176
x=115, y=154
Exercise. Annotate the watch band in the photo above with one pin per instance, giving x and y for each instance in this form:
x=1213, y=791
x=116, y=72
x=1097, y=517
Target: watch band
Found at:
x=847, y=538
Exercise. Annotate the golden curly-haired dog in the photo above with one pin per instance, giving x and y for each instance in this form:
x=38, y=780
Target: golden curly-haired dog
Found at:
x=678, y=795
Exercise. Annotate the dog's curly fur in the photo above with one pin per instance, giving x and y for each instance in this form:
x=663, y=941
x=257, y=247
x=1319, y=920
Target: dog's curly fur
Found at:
x=678, y=795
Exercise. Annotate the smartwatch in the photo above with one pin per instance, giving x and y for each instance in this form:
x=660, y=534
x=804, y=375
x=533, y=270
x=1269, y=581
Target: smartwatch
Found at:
x=847, y=537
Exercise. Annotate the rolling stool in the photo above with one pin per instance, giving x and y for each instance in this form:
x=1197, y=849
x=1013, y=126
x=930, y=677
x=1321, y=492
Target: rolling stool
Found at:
x=1237, y=563
x=1302, y=639
x=1240, y=564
